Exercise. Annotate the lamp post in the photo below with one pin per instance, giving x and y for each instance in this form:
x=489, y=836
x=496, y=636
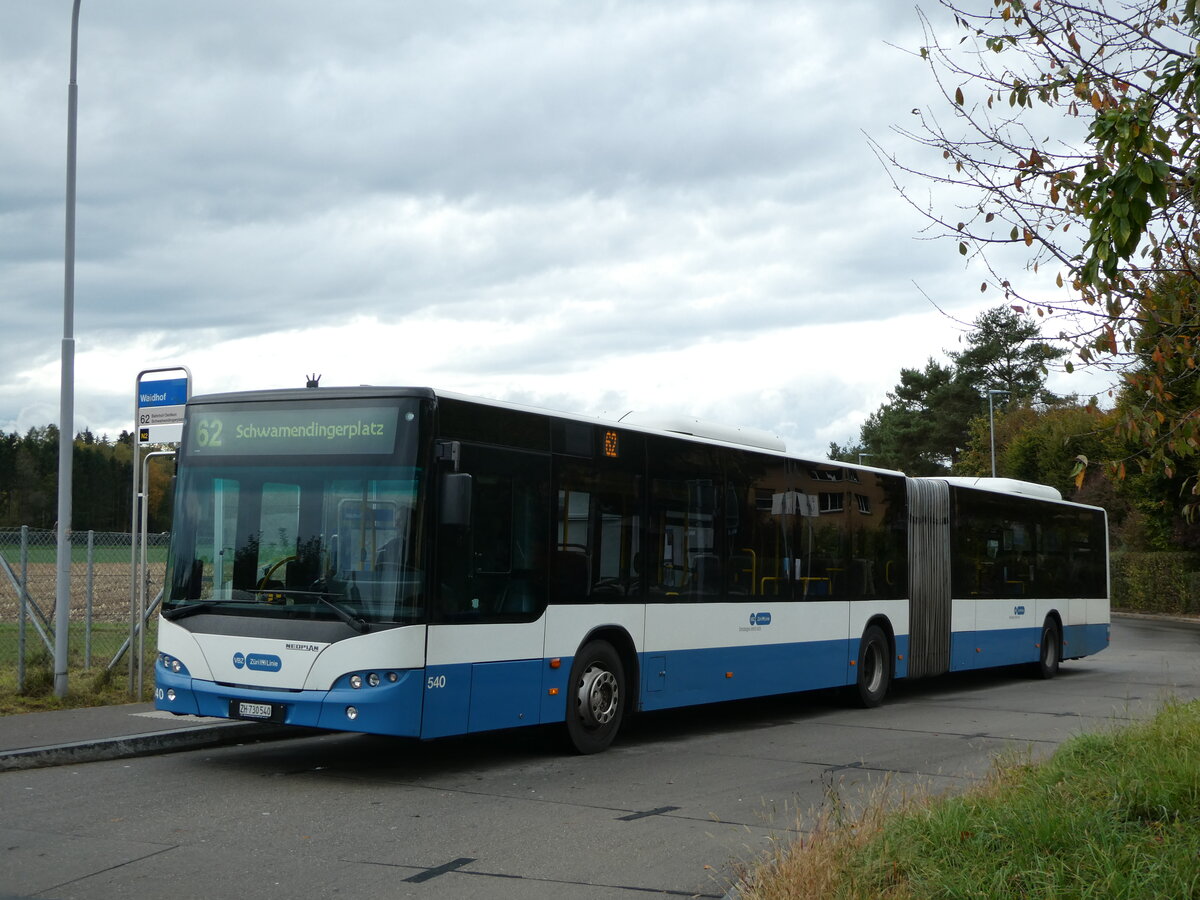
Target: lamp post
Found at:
x=992, y=425
x=66, y=403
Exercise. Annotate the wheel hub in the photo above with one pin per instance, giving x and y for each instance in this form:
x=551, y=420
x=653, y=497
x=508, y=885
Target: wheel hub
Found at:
x=598, y=696
x=873, y=668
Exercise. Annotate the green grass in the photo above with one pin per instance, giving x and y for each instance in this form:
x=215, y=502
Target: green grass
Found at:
x=86, y=685
x=1113, y=815
x=43, y=554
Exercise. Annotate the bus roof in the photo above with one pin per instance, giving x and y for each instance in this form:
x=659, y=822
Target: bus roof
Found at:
x=1003, y=486
x=678, y=425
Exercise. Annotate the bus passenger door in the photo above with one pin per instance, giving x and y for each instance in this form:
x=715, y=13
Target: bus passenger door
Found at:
x=484, y=652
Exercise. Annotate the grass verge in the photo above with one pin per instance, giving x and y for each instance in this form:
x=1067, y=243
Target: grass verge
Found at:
x=87, y=685
x=1113, y=815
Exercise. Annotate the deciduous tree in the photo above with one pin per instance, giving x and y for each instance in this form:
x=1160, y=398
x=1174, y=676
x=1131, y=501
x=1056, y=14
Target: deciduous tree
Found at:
x=1070, y=128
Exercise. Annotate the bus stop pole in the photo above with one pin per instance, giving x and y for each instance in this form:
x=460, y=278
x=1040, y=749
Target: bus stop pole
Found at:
x=143, y=571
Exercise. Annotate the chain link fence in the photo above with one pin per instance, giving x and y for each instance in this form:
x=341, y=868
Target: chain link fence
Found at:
x=101, y=611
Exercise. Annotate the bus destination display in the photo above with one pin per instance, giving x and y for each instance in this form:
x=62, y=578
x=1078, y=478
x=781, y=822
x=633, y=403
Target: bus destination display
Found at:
x=266, y=431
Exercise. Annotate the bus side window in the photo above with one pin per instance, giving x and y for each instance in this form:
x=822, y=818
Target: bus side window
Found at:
x=686, y=546
x=597, y=534
x=495, y=568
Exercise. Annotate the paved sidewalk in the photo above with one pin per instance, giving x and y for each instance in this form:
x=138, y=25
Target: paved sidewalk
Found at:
x=61, y=737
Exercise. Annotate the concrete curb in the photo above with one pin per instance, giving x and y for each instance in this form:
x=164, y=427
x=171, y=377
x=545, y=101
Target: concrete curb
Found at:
x=132, y=745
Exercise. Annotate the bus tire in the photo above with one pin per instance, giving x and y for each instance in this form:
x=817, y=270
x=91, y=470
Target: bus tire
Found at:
x=1049, y=650
x=595, y=697
x=874, y=668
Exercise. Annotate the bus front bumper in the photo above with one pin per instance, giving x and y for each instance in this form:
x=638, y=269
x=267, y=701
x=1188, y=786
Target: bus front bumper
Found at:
x=392, y=708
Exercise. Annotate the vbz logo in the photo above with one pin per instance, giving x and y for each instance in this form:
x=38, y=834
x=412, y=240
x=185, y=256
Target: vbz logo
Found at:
x=762, y=618
x=1018, y=610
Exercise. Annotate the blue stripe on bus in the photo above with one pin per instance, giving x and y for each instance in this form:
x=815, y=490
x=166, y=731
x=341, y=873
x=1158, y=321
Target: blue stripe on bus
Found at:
x=1084, y=640
x=685, y=677
x=469, y=697
x=1013, y=646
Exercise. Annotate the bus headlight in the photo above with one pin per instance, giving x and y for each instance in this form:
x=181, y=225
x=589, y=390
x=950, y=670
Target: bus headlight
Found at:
x=351, y=713
x=356, y=683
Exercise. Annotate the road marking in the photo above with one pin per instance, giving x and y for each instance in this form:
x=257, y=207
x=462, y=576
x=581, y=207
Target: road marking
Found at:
x=440, y=870
x=647, y=813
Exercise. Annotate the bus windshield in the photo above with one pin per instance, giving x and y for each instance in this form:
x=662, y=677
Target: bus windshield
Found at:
x=322, y=537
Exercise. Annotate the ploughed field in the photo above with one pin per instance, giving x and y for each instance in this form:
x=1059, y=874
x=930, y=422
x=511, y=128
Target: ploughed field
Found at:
x=109, y=588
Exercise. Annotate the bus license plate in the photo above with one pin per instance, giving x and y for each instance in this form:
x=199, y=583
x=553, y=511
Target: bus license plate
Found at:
x=253, y=710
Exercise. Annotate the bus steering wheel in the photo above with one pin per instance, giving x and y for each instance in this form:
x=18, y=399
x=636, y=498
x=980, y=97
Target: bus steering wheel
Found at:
x=262, y=582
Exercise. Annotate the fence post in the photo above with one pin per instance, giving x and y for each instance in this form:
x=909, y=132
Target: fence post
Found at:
x=22, y=612
x=91, y=582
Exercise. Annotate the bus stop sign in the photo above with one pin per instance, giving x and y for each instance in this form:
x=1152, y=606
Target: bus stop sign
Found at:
x=160, y=406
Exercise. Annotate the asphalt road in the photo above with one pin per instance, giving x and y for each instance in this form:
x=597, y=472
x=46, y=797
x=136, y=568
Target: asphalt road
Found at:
x=670, y=810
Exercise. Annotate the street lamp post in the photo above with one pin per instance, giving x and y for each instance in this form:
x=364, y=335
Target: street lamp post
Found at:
x=66, y=405
x=992, y=425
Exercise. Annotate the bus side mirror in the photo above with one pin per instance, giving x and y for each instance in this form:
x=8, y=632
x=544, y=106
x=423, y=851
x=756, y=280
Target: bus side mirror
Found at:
x=456, y=499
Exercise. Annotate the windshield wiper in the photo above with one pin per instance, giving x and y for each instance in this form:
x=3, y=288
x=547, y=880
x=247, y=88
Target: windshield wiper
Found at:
x=182, y=612
x=358, y=623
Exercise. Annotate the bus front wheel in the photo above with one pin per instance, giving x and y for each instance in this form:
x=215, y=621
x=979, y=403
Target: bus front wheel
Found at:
x=874, y=667
x=596, y=697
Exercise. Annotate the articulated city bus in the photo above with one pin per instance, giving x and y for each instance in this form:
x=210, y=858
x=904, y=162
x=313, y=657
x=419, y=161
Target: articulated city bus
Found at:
x=409, y=562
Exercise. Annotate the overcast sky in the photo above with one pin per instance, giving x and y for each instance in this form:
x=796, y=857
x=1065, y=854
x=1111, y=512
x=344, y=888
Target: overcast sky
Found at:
x=591, y=206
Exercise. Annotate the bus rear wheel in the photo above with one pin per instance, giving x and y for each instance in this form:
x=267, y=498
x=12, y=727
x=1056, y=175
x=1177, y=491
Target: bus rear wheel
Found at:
x=1049, y=650
x=874, y=667
x=595, y=697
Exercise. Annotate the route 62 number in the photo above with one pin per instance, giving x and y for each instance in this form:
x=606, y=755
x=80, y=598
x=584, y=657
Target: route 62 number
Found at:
x=208, y=433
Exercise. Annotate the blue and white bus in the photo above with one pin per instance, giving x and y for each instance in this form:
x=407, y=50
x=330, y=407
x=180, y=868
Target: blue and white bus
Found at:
x=408, y=562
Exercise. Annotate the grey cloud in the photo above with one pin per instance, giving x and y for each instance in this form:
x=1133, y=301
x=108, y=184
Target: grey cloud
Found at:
x=659, y=174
